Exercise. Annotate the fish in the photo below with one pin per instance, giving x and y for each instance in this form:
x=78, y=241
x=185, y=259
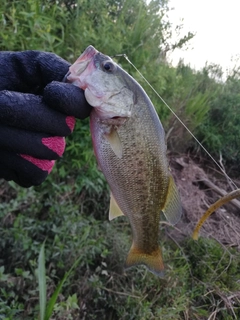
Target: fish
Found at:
x=129, y=144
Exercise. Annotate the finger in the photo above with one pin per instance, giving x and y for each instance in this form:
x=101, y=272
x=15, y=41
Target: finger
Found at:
x=24, y=172
x=27, y=111
x=30, y=71
x=38, y=145
x=67, y=98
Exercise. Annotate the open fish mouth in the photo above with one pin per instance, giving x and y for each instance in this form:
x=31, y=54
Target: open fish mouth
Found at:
x=80, y=66
x=88, y=54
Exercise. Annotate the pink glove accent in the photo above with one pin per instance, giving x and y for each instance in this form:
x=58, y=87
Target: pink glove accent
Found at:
x=45, y=165
x=71, y=122
x=56, y=144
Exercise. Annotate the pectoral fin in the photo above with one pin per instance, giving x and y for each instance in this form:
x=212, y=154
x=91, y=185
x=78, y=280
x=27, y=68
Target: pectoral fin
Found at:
x=115, y=143
x=114, y=210
x=172, y=207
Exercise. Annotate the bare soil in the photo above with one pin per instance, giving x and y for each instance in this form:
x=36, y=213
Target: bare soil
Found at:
x=224, y=224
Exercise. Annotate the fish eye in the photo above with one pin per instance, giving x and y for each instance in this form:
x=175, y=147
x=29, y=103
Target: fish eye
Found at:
x=108, y=66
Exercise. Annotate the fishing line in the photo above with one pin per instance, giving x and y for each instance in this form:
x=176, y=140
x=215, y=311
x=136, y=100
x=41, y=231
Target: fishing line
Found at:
x=188, y=130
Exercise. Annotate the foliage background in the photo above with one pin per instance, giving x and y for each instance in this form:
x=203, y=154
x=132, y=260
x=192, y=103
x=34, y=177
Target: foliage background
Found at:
x=69, y=210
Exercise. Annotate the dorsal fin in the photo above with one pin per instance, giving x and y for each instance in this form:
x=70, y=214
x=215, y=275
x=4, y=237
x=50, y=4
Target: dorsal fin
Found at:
x=172, y=208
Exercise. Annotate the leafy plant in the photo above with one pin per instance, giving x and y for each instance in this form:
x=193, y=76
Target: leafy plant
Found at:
x=47, y=309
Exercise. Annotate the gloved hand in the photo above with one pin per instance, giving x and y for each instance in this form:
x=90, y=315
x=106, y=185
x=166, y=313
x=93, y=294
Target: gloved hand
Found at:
x=37, y=111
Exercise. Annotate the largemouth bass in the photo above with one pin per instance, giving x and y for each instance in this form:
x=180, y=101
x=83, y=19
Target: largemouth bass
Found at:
x=129, y=144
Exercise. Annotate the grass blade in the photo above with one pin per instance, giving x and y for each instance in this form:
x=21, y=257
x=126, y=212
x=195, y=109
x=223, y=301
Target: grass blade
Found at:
x=54, y=297
x=42, y=282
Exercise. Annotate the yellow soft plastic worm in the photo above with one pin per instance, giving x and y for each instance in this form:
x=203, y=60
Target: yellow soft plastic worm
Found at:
x=228, y=197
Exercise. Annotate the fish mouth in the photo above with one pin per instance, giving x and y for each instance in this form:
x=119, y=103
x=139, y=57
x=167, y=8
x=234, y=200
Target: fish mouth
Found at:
x=87, y=55
x=81, y=64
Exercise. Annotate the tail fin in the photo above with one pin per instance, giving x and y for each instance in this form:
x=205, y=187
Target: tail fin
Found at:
x=153, y=261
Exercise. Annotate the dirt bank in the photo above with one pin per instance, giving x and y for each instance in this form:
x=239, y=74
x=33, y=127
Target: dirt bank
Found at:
x=199, y=188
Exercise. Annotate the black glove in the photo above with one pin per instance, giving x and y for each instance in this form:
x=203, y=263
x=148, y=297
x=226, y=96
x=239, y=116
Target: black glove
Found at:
x=37, y=111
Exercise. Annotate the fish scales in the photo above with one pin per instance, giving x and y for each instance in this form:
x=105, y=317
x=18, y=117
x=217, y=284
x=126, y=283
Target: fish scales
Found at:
x=129, y=144
x=138, y=172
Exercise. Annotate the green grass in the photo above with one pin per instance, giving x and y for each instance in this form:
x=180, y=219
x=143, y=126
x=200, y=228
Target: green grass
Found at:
x=81, y=275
